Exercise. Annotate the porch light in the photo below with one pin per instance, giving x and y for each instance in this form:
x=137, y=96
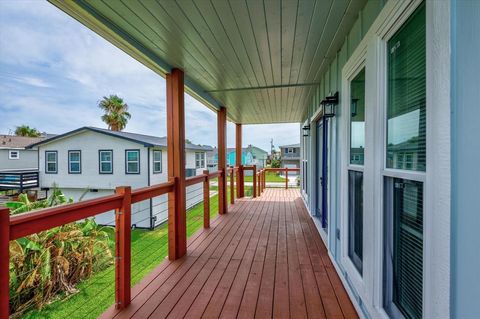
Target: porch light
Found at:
x=328, y=104
x=306, y=129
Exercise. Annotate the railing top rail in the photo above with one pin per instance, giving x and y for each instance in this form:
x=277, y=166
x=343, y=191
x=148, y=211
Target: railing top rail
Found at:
x=282, y=169
x=195, y=179
x=215, y=174
x=33, y=222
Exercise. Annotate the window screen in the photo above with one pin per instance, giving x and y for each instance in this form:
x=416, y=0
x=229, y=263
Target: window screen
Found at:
x=406, y=108
x=357, y=119
x=355, y=219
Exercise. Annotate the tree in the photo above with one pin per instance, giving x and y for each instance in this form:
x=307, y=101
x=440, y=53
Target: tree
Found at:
x=25, y=130
x=275, y=163
x=116, y=112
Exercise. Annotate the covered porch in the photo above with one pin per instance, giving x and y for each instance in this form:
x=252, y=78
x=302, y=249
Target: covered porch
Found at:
x=263, y=259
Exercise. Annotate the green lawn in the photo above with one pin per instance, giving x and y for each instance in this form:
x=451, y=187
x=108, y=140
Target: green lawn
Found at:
x=270, y=177
x=149, y=249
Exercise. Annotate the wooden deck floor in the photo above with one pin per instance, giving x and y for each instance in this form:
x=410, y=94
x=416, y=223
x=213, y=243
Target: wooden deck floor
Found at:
x=263, y=259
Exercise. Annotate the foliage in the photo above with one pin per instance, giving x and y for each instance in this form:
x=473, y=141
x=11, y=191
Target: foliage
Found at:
x=44, y=265
x=275, y=163
x=116, y=112
x=25, y=130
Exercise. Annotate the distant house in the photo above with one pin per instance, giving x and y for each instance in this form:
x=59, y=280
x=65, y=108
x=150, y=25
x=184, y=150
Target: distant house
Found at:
x=90, y=162
x=14, y=156
x=290, y=156
x=251, y=155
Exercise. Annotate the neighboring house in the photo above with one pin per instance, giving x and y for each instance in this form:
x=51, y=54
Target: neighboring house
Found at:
x=290, y=156
x=14, y=156
x=251, y=155
x=90, y=162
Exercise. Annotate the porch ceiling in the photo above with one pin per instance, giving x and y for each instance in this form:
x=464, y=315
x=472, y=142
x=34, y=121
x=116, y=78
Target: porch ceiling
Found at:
x=259, y=59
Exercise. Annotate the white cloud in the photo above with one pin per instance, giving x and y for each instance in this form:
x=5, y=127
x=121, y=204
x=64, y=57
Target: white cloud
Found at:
x=60, y=70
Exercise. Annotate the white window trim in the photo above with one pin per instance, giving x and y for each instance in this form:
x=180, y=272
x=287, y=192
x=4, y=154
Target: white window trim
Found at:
x=436, y=179
x=10, y=152
x=155, y=161
x=101, y=162
x=69, y=161
x=49, y=162
x=127, y=161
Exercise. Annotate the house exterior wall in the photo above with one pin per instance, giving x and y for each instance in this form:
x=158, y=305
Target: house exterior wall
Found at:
x=364, y=46
x=465, y=221
x=91, y=184
x=28, y=160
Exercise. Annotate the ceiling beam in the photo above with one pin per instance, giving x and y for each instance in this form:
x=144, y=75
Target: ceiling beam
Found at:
x=264, y=87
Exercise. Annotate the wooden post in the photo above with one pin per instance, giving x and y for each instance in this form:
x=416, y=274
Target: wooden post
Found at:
x=232, y=186
x=222, y=160
x=259, y=181
x=254, y=180
x=4, y=262
x=264, y=179
x=206, y=200
x=177, y=221
x=238, y=161
x=123, y=224
x=286, y=178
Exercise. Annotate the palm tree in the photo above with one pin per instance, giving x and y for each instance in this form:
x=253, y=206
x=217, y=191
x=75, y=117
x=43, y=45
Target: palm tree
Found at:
x=116, y=112
x=25, y=130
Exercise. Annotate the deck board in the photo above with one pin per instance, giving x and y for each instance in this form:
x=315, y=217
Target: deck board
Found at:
x=263, y=259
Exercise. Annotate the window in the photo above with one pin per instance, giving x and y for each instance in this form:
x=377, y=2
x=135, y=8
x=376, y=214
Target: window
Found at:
x=157, y=161
x=199, y=160
x=51, y=164
x=105, y=161
x=189, y=172
x=14, y=155
x=74, y=162
x=132, y=161
x=355, y=219
x=406, y=111
x=355, y=170
x=406, y=150
x=357, y=119
x=404, y=247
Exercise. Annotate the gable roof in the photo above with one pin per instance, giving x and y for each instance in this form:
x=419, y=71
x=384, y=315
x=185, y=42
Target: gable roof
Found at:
x=145, y=140
x=13, y=141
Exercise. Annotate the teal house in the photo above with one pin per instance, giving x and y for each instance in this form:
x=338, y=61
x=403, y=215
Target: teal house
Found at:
x=251, y=155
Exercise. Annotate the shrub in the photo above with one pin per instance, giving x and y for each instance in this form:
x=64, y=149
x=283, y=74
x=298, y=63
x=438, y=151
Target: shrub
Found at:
x=49, y=264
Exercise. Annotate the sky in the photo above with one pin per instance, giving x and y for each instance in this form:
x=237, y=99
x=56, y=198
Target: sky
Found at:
x=54, y=71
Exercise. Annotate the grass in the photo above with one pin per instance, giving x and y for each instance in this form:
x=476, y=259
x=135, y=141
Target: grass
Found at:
x=149, y=249
x=270, y=177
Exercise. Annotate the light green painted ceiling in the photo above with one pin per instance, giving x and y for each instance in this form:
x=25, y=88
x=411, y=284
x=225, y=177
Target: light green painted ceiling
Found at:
x=228, y=47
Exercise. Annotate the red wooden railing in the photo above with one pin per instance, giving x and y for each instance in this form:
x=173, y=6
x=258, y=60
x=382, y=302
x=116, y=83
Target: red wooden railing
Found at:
x=17, y=226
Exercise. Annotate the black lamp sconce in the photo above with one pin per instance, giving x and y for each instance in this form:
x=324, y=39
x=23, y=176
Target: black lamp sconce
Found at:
x=306, y=130
x=328, y=104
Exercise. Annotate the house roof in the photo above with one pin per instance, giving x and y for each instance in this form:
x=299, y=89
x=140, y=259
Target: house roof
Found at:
x=145, y=140
x=290, y=145
x=13, y=141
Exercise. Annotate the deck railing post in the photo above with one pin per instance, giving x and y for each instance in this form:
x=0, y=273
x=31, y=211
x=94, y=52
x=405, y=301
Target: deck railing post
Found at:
x=286, y=178
x=4, y=262
x=123, y=224
x=206, y=200
x=222, y=160
x=241, y=182
x=264, y=179
x=254, y=180
x=232, y=186
x=259, y=181
x=177, y=218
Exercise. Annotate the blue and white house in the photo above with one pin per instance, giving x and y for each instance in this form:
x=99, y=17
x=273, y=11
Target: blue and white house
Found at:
x=90, y=162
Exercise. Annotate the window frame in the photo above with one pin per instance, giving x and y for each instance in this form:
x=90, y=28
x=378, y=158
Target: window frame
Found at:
x=127, y=161
x=201, y=160
x=47, y=162
x=79, y=161
x=100, y=162
x=10, y=157
x=159, y=161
